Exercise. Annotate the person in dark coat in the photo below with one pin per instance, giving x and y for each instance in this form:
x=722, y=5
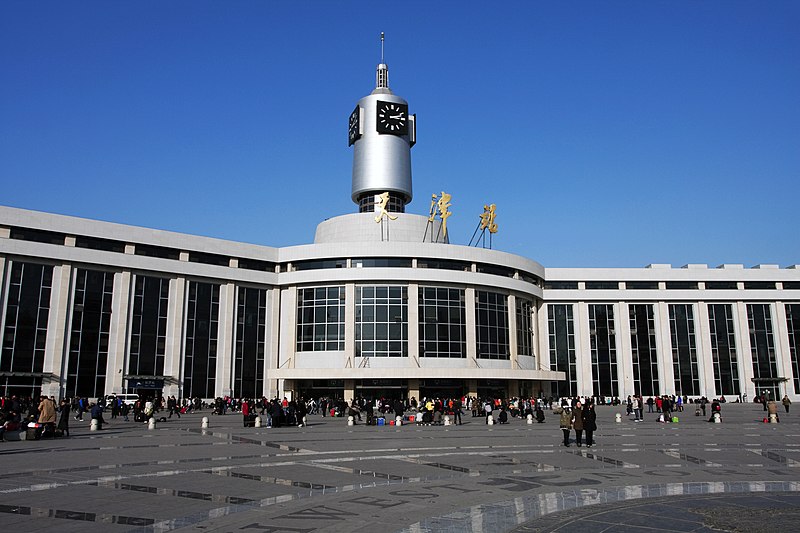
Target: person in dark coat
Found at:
x=64, y=409
x=589, y=423
x=577, y=423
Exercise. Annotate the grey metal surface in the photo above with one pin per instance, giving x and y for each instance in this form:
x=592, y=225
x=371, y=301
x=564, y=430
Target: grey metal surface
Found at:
x=334, y=478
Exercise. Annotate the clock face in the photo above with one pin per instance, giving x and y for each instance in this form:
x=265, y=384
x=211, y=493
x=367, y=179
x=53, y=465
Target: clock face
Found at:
x=354, y=126
x=392, y=118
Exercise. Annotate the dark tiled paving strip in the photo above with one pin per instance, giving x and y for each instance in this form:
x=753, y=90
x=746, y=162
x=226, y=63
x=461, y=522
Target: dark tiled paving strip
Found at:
x=690, y=458
x=76, y=515
x=607, y=460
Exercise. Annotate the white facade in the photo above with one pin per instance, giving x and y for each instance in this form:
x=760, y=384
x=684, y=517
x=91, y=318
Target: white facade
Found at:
x=78, y=246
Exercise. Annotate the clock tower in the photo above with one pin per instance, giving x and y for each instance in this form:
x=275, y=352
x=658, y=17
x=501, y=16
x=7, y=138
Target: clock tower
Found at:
x=382, y=132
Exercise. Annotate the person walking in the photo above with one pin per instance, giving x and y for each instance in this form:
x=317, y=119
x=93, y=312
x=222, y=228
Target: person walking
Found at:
x=577, y=423
x=589, y=423
x=786, y=402
x=566, y=424
x=47, y=416
x=64, y=408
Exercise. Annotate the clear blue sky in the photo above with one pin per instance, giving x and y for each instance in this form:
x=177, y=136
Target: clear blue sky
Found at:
x=608, y=133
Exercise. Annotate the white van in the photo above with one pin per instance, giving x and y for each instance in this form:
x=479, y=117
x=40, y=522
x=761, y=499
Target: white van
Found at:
x=130, y=399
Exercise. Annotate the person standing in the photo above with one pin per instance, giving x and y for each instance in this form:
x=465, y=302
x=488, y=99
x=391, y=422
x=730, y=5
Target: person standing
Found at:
x=64, y=408
x=457, y=411
x=566, y=424
x=577, y=423
x=47, y=415
x=589, y=423
x=786, y=402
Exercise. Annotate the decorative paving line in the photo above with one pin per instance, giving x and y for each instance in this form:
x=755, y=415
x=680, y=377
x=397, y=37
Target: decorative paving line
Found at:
x=695, y=460
x=268, y=479
x=772, y=456
x=172, y=492
x=40, y=512
x=510, y=514
x=606, y=460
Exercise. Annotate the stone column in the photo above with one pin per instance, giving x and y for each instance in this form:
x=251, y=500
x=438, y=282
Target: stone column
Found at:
x=782, y=349
x=288, y=334
x=472, y=339
x=413, y=388
x=472, y=388
x=173, y=355
x=271, y=357
x=226, y=326
x=583, y=350
x=705, y=359
x=743, y=349
x=350, y=326
x=118, y=333
x=56, y=344
x=666, y=372
x=624, y=349
x=663, y=344
x=349, y=390
x=511, y=312
x=413, y=326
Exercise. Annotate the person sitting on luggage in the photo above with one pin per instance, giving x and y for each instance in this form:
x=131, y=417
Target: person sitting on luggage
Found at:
x=97, y=414
x=437, y=418
x=539, y=414
x=503, y=416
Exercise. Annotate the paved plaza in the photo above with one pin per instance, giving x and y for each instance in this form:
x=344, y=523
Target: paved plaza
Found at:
x=741, y=475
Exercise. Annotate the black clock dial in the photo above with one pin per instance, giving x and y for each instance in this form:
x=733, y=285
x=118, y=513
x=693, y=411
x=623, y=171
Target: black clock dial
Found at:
x=392, y=118
x=354, y=126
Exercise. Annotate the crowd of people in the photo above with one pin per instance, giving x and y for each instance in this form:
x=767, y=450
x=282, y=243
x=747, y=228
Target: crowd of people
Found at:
x=50, y=418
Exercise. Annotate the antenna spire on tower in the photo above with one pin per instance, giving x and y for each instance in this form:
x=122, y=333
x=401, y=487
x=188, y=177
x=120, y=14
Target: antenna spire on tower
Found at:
x=382, y=36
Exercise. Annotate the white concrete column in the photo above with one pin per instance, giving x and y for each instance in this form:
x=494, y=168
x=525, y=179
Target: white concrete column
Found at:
x=535, y=335
x=622, y=337
x=288, y=325
x=705, y=359
x=350, y=326
x=783, y=352
x=743, y=349
x=511, y=313
x=413, y=326
x=173, y=354
x=666, y=370
x=472, y=338
x=271, y=356
x=226, y=326
x=542, y=321
x=118, y=332
x=663, y=356
x=583, y=349
x=56, y=345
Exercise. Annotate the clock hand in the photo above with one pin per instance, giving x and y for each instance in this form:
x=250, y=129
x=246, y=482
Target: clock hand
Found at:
x=396, y=116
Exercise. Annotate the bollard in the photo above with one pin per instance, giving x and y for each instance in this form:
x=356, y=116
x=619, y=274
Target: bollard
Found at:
x=530, y=419
x=446, y=420
x=717, y=418
x=151, y=424
x=398, y=421
x=773, y=418
x=305, y=422
x=618, y=417
x=490, y=420
x=257, y=423
x=351, y=421
x=204, y=423
x=95, y=425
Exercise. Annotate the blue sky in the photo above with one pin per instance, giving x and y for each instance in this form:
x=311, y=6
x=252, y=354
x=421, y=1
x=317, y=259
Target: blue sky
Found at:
x=608, y=133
